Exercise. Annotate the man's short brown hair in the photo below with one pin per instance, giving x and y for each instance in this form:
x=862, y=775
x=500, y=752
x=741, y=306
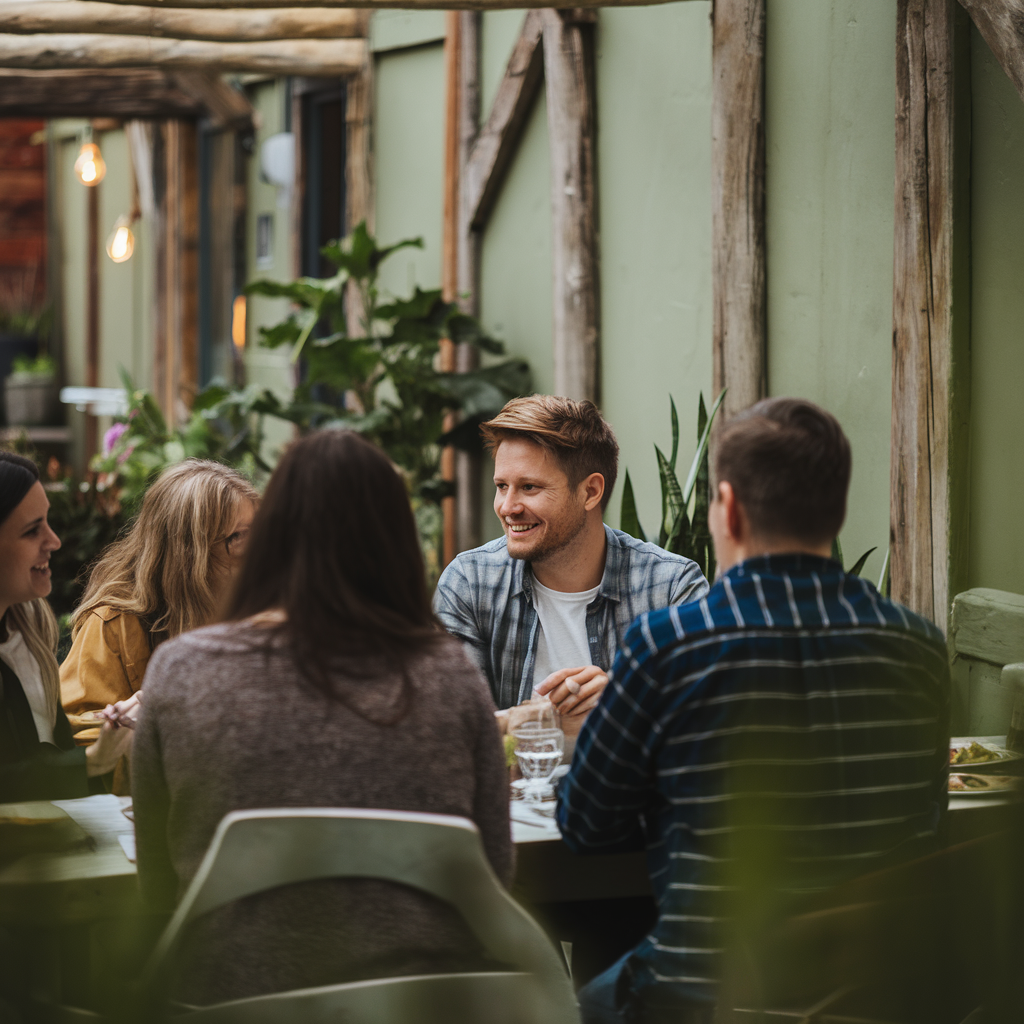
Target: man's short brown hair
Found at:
x=574, y=432
x=789, y=465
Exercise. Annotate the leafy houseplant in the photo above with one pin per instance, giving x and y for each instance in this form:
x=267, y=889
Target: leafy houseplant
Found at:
x=30, y=390
x=382, y=380
x=684, y=509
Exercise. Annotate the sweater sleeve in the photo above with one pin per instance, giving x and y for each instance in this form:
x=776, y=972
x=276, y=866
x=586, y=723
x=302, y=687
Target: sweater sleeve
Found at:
x=491, y=799
x=151, y=802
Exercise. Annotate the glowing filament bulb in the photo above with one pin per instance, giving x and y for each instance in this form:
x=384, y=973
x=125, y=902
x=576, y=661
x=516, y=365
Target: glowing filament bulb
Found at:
x=121, y=243
x=90, y=166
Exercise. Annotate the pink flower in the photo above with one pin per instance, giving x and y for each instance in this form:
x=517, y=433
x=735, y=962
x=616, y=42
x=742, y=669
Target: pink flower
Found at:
x=125, y=455
x=112, y=436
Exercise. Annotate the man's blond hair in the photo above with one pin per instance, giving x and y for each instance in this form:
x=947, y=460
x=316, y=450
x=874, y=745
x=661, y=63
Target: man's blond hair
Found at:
x=574, y=432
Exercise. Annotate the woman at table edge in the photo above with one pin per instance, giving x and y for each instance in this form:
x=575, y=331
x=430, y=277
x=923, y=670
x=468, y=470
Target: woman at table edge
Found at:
x=167, y=575
x=331, y=655
x=38, y=756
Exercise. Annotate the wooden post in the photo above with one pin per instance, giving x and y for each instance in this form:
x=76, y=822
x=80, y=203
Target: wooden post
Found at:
x=358, y=172
x=569, y=79
x=188, y=252
x=450, y=254
x=92, y=316
x=737, y=196
x=172, y=274
x=1001, y=23
x=467, y=464
x=931, y=308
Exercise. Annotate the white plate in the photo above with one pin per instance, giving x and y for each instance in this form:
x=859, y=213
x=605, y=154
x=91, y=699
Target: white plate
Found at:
x=994, y=743
x=995, y=785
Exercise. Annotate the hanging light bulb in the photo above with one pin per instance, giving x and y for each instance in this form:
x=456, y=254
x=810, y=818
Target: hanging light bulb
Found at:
x=121, y=243
x=90, y=166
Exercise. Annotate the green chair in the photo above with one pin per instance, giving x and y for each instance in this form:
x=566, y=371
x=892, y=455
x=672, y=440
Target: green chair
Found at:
x=253, y=851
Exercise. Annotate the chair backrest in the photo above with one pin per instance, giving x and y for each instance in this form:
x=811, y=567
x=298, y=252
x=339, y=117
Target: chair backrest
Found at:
x=256, y=850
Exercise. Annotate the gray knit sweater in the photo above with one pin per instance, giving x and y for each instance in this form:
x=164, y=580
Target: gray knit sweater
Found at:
x=227, y=725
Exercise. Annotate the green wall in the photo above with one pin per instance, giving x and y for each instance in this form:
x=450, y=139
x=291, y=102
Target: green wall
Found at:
x=267, y=367
x=830, y=134
x=997, y=327
x=409, y=163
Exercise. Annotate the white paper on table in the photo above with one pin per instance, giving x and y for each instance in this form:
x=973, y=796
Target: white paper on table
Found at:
x=527, y=813
x=100, y=816
x=128, y=845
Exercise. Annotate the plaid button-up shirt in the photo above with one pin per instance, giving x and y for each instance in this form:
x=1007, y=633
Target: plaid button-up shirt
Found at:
x=793, y=702
x=485, y=598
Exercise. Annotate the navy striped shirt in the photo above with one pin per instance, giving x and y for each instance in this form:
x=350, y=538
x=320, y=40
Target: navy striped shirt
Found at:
x=792, y=694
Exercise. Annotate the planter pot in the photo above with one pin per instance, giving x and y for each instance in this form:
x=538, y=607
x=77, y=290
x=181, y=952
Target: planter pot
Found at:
x=29, y=398
x=13, y=346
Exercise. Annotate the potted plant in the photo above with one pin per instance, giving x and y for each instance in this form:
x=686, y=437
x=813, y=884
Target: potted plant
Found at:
x=30, y=390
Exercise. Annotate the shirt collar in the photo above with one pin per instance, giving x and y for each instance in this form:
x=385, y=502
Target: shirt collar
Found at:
x=792, y=563
x=611, y=581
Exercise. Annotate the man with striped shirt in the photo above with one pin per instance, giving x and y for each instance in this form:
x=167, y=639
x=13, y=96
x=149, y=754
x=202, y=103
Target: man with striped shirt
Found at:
x=782, y=734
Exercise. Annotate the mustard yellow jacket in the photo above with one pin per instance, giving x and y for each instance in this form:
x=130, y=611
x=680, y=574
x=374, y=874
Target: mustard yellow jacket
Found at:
x=106, y=663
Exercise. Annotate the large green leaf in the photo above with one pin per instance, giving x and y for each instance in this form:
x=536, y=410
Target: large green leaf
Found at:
x=702, y=447
x=671, y=497
x=837, y=551
x=859, y=564
x=675, y=432
x=629, y=521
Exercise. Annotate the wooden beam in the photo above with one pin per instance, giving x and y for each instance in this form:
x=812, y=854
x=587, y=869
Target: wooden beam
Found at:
x=450, y=255
x=387, y=5
x=569, y=80
x=286, y=57
x=496, y=143
x=127, y=94
x=226, y=106
x=359, y=196
x=739, y=325
x=931, y=308
x=1001, y=24
x=64, y=16
x=468, y=464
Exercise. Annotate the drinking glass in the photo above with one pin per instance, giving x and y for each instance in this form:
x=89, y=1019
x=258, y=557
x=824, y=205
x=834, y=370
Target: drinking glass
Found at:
x=539, y=752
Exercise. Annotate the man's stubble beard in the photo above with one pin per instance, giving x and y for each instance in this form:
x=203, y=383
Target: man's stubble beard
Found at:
x=570, y=527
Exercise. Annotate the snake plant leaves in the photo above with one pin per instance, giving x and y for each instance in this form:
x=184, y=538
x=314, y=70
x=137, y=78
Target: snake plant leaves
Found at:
x=859, y=564
x=671, y=498
x=702, y=448
x=629, y=521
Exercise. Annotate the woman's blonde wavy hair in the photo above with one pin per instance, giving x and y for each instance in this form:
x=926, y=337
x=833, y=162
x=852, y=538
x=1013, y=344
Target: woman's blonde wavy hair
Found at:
x=38, y=627
x=164, y=570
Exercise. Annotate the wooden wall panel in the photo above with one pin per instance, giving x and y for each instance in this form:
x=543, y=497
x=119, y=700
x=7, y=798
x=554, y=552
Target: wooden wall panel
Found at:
x=22, y=214
x=931, y=308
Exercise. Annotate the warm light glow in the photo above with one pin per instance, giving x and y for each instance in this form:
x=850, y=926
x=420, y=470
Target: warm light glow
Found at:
x=238, y=322
x=90, y=166
x=121, y=243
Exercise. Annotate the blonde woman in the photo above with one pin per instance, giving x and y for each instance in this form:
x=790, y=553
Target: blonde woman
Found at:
x=167, y=576
x=38, y=757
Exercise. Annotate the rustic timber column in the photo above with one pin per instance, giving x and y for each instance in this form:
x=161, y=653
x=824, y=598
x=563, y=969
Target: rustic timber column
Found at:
x=931, y=308
x=92, y=314
x=358, y=171
x=1001, y=24
x=569, y=81
x=739, y=328
x=467, y=465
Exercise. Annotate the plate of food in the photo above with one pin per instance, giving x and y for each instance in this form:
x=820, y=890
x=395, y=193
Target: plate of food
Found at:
x=963, y=784
x=979, y=754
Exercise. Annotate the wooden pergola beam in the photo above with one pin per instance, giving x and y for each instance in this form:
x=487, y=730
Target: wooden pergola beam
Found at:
x=931, y=308
x=385, y=5
x=225, y=106
x=569, y=80
x=333, y=58
x=1001, y=24
x=72, y=16
x=495, y=145
x=739, y=279
x=125, y=94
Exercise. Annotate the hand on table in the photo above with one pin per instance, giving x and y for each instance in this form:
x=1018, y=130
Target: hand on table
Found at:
x=574, y=691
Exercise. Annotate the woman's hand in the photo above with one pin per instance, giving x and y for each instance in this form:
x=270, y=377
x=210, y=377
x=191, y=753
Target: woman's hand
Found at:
x=111, y=744
x=124, y=713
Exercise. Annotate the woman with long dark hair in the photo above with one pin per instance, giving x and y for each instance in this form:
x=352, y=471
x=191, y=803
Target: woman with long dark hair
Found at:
x=38, y=757
x=329, y=685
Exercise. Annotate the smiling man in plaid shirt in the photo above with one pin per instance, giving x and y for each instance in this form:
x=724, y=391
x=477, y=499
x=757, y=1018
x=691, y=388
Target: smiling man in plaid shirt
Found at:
x=793, y=703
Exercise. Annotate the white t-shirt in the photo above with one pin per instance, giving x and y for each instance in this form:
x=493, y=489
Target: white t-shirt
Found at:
x=22, y=662
x=562, y=636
